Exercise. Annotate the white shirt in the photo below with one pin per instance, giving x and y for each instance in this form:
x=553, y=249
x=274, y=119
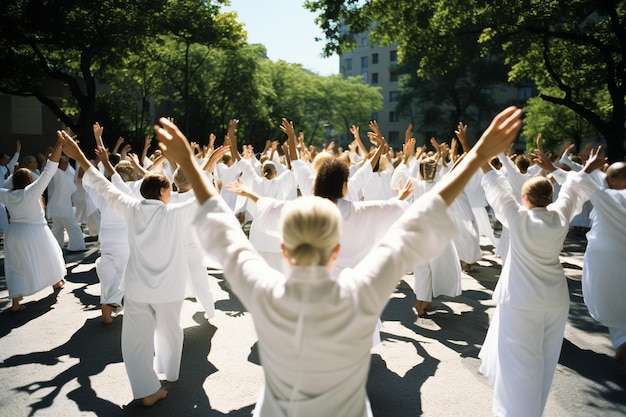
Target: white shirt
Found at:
x=157, y=267
x=23, y=205
x=315, y=333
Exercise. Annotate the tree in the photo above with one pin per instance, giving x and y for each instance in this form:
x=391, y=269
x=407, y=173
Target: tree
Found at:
x=69, y=41
x=575, y=52
x=556, y=124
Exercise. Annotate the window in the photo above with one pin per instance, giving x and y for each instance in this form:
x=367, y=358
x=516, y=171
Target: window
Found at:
x=364, y=62
x=348, y=67
x=393, y=77
x=26, y=116
x=394, y=137
x=374, y=78
x=374, y=58
x=363, y=41
x=394, y=117
x=393, y=56
x=524, y=93
x=394, y=96
x=364, y=76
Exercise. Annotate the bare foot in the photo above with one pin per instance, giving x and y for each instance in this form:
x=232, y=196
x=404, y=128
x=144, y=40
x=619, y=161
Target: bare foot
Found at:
x=620, y=353
x=466, y=267
x=16, y=307
x=423, y=307
x=107, y=312
x=152, y=399
x=58, y=285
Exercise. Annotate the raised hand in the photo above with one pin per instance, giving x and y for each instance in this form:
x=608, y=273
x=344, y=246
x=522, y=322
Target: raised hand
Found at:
x=500, y=134
x=595, y=160
x=543, y=161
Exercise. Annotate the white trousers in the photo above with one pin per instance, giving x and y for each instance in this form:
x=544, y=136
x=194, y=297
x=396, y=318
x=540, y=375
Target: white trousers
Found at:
x=617, y=335
x=152, y=342
x=110, y=267
x=200, y=281
x=74, y=232
x=529, y=345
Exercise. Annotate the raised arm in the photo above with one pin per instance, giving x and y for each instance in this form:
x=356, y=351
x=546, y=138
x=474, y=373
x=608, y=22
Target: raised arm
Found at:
x=287, y=127
x=176, y=147
x=146, y=145
x=239, y=188
x=97, y=134
x=496, y=139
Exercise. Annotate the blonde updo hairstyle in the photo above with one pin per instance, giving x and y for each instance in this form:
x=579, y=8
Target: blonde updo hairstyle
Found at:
x=538, y=190
x=311, y=228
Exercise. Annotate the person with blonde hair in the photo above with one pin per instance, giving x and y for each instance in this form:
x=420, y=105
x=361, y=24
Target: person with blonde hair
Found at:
x=523, y=343
x=314, y=331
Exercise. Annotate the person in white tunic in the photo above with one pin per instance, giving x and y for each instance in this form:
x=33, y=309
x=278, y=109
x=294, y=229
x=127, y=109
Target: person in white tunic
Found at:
x=113, y=238
x=523, y=343
x=315, y=332
x=442, y=275
x=604, y=279
x=60, y=208
x=32, y=257
x=154, y=279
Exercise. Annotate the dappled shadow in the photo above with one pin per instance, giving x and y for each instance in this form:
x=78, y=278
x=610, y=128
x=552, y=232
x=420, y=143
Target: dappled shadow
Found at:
x=389, y=391
x=93, y=356
x=232, y=306
x=32, y=310
x=609, y=376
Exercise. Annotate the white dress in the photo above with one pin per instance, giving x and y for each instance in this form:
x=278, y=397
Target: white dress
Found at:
x=32, y=257
x=604, y=276
x=523, y=343
x=315, y=332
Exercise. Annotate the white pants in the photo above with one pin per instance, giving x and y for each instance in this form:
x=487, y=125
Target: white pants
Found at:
x=529, y=345
x=199, y=280
x=74, y=232
x=110, y=267
x=152, y=342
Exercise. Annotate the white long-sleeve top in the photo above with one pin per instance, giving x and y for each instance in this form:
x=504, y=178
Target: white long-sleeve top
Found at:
x=113, y=234
x=60, y=192
x=315, y=333
x=532, y=275
x=157, y=266
x=7, y=170
x=23, y=205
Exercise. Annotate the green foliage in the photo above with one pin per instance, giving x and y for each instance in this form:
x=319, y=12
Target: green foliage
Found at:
x=573, y=51
x=70, y=41
x=556, y=124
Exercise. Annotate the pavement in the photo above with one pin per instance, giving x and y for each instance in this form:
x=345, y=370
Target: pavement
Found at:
x=57, y=359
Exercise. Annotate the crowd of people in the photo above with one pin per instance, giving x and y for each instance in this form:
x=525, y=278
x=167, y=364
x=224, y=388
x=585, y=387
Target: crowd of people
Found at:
x=330, y=233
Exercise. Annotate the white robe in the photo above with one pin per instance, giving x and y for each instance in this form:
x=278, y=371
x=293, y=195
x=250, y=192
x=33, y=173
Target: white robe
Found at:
x=521, y=348
x=604, y=276
x=61, y=211
x=32, y=257
x=315, y=332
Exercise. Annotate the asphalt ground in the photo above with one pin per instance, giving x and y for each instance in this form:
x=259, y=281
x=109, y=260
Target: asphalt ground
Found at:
x=57, y=359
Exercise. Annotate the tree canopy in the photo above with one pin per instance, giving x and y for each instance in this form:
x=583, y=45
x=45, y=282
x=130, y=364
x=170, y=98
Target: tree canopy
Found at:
x=70, y=41
x=574, y=52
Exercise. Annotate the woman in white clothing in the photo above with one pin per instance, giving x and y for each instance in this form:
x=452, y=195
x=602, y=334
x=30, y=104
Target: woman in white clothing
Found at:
x=32, y=258
x=315, y=332
x=523, y=343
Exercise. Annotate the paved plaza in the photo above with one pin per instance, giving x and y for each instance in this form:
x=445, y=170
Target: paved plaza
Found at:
x=57, y=359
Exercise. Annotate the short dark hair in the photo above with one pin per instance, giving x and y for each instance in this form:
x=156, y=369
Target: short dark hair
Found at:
x=22, y=177
x=151, y=186
x=330, y=178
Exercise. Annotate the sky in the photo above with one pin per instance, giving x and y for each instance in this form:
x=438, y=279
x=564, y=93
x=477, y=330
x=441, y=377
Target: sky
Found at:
x=288, y=32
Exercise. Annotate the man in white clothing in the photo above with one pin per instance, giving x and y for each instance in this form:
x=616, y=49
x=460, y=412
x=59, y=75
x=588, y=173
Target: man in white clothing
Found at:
x=60, y=208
